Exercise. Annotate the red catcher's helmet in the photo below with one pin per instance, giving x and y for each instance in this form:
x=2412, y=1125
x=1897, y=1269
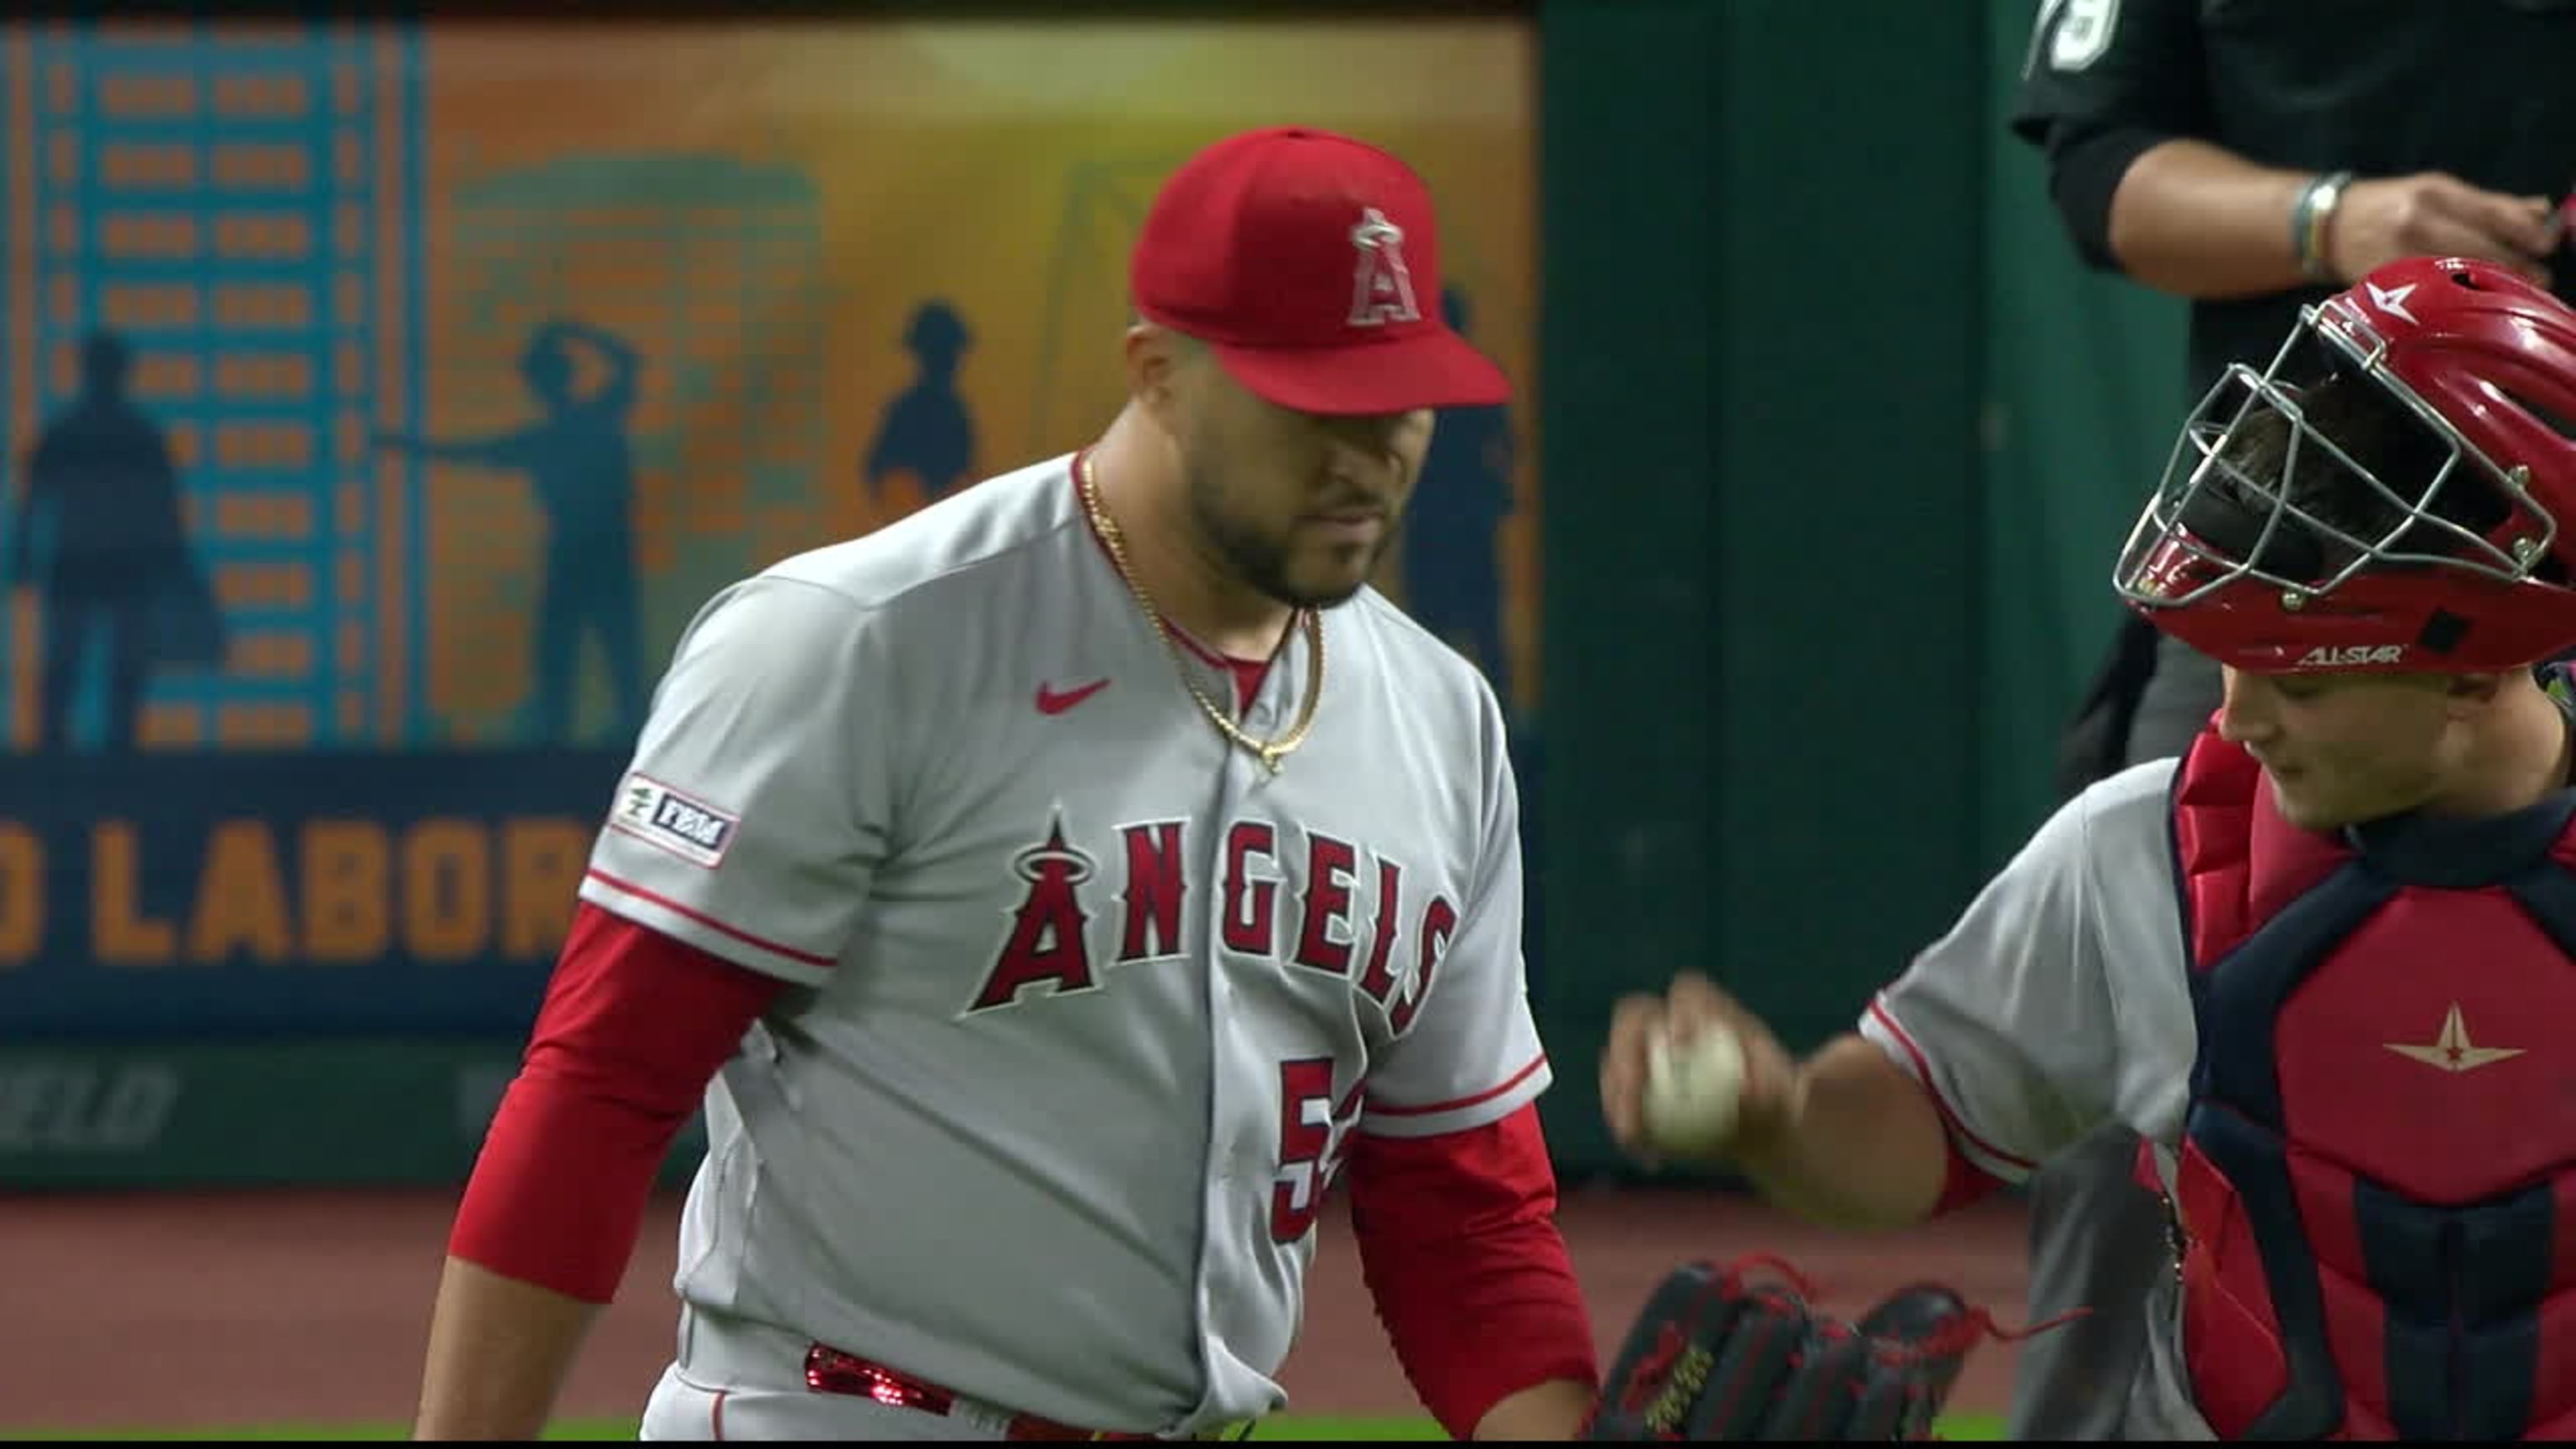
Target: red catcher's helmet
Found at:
x=2242, y=568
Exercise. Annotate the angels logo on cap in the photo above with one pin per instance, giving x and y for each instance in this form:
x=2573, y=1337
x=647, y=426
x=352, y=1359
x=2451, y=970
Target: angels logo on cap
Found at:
x=1302, y=259
x=1383, y=290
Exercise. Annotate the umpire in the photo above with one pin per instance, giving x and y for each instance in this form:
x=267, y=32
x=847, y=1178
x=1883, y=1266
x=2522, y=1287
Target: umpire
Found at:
x=2251, y=156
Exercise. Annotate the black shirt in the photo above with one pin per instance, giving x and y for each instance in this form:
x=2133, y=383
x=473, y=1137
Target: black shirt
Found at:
x=2482, y=89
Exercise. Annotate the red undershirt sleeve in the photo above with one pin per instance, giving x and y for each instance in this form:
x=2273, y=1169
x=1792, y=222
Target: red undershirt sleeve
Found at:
x=1459, y=1247
x=633, y=1026
x=1964, y=1184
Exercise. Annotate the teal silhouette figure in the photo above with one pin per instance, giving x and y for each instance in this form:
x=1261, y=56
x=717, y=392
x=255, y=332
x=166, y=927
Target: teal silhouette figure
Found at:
x=1453, y=581
x=99, y=534
x=579, y=458
x=926, y=428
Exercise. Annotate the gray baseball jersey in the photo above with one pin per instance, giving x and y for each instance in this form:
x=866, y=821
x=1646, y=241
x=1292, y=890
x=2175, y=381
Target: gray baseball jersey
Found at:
x=2096, y=1237
x=2059, y=1005
x=1086, y=1002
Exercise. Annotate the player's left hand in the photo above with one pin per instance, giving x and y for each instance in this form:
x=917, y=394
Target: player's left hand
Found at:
x=1741, y=1352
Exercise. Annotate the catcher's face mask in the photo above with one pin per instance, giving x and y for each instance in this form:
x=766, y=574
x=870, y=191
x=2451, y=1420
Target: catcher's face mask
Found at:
x=2409, y=525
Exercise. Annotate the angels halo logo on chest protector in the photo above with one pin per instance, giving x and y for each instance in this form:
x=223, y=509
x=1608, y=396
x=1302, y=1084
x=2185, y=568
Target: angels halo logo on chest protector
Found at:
x=2375, y=1239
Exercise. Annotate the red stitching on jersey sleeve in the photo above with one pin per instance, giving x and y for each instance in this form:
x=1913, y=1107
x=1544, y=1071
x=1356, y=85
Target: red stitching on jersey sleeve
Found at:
x=1384, y=1109
x=775, y=948
x=1959, y=1130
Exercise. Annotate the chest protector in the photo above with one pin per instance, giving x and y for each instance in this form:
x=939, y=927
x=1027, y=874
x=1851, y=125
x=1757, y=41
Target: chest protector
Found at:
x=2376, y=1189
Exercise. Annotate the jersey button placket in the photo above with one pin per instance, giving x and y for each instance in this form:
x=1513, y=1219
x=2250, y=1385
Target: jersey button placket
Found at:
x=1237, y=782
x=1240, y=1144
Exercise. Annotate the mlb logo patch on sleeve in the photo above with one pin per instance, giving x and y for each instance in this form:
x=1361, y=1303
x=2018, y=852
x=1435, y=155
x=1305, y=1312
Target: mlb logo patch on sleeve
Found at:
x=684, y=825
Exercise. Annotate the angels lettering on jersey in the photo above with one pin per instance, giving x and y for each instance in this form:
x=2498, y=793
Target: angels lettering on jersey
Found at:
x=1347, y=923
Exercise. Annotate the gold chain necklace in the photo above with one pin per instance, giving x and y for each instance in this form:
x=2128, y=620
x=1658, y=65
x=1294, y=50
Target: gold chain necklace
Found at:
x=1271, y=751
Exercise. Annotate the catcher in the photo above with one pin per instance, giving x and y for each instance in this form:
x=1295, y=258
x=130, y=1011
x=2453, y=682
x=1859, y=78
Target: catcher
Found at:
x=2319, y=962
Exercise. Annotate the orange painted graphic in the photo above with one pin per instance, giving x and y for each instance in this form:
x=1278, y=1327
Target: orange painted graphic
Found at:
x=478, y=355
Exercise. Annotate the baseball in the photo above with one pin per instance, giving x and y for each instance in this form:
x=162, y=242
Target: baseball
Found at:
x=1691, y=1091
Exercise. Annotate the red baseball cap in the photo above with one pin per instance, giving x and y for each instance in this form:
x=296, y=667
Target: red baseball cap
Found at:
x=1310, y=263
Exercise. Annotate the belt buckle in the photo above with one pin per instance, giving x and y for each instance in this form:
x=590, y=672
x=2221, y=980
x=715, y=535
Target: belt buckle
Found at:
x=828, y=1370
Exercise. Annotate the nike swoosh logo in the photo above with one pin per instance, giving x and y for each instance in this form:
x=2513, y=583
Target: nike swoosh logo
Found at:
x=1055, y=701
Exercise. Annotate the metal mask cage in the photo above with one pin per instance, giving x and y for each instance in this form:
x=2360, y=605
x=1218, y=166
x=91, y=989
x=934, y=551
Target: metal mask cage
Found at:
x=2211, y=524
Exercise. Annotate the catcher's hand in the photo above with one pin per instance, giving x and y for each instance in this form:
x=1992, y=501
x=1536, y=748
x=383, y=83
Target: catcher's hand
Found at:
x=1731, y=1352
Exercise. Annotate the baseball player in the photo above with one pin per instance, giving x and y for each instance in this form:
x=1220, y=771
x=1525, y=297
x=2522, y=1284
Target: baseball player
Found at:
x=2244, y=160
x=1054, y=895
x=2319, y=962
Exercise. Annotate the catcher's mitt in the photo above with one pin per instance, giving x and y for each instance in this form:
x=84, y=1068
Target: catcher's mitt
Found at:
x=1732, y=1352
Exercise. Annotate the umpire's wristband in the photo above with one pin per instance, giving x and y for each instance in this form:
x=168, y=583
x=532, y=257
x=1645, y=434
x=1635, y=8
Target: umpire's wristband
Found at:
x=2309, y=217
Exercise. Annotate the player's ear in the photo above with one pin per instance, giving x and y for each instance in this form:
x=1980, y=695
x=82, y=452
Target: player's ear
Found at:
x=1157, y=367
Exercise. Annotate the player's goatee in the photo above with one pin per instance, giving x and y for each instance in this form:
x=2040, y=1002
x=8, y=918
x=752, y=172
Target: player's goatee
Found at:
x=1266, y=565
x=1268, y=562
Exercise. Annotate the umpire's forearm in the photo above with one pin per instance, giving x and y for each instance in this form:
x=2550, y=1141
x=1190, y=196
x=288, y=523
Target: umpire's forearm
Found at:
x=499, y=1351
x=1864, y=1147
x=2196, y=220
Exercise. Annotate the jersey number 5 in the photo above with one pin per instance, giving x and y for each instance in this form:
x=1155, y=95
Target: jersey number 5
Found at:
x=1314, y=1135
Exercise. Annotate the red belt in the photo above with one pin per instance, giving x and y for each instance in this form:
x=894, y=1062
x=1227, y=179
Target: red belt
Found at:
x=830, y=1371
